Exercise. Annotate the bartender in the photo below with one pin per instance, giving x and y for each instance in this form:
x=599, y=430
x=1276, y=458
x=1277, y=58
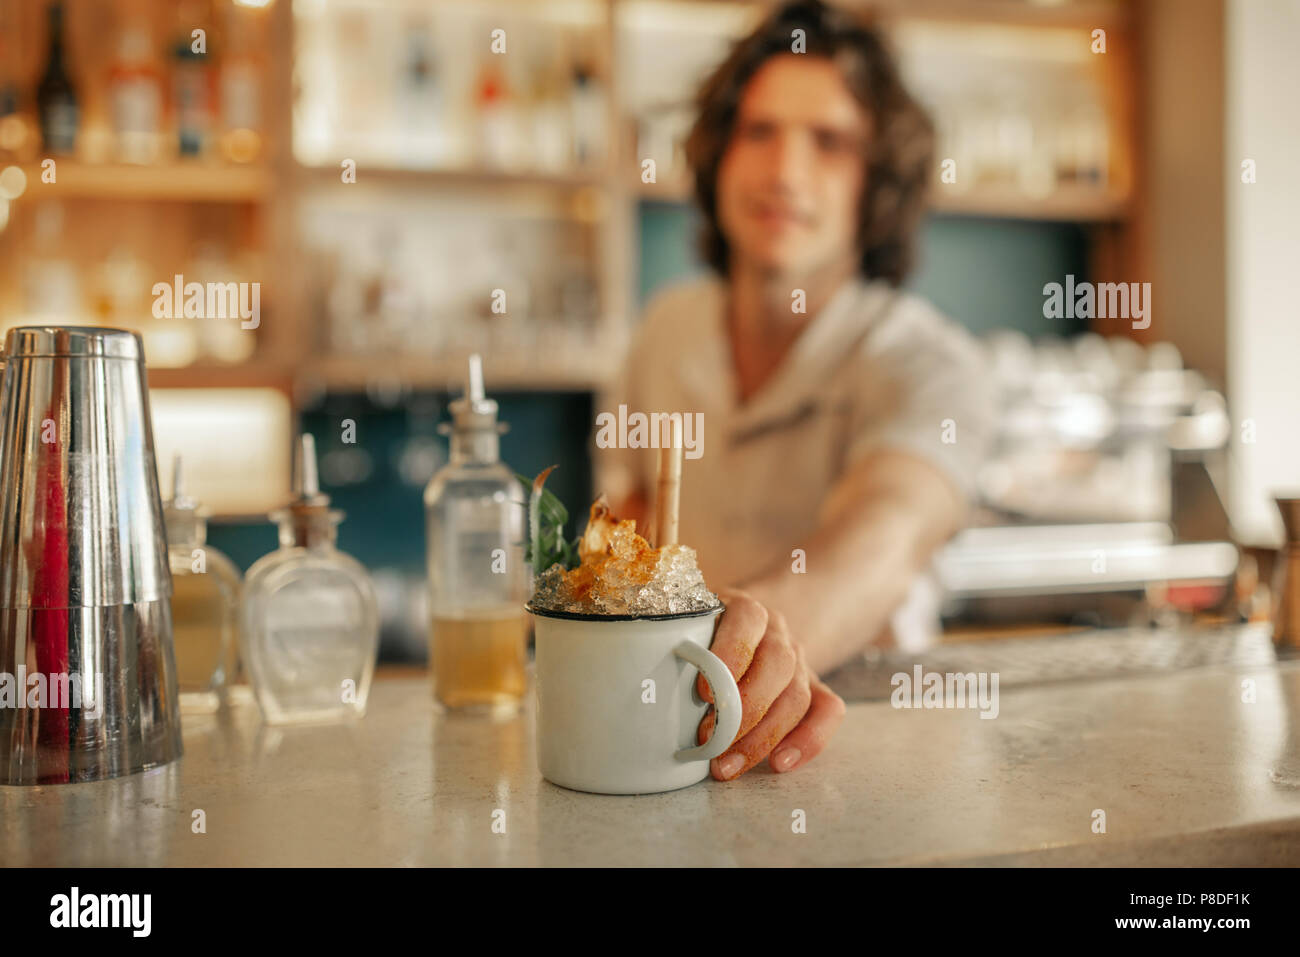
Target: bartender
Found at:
x=843, y=418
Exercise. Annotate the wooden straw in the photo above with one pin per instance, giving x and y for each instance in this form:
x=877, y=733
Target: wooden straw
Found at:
x=670, y=487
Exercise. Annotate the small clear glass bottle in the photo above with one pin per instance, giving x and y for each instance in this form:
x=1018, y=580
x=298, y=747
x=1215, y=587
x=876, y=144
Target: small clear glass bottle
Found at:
x=205, y=604
x=310, y=627
x=478, y=580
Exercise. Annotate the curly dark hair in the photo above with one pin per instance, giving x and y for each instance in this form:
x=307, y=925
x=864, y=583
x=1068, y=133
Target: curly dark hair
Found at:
x=901, y=148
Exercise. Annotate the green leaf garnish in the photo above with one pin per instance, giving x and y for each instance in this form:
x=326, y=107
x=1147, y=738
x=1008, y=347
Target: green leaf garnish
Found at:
x=546, y=517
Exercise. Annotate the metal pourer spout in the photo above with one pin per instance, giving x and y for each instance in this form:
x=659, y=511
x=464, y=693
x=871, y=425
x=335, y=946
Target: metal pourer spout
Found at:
x=306, y=476
x=179, y=499
x=474, y=412
x=185, y=523
x=308, y=519
x=475, y=387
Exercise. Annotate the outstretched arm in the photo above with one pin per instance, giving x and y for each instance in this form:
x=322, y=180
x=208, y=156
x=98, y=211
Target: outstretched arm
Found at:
x=878, y=529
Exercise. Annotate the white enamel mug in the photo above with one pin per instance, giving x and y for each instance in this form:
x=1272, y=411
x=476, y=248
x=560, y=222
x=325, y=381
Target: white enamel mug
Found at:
x=617, y=708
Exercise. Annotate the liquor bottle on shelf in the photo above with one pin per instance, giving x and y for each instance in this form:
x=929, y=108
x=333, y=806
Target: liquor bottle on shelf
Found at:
x=192, y=97
x=56, y=98
x=550, y=126
x=241, y=93
x=422, y=132
x=135, y=91
x=587, y=103
x=205, y=604
x=497, y=117
x=478, y=580
x=310, y=622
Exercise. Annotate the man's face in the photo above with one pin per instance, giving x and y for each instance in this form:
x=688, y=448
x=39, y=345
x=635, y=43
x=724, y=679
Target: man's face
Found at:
x=791, y=179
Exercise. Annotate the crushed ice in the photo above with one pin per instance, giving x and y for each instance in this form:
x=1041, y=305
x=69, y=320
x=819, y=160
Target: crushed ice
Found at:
x=627, y=577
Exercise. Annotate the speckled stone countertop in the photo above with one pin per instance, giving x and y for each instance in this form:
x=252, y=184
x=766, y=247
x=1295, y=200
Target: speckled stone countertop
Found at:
x=1184, y=769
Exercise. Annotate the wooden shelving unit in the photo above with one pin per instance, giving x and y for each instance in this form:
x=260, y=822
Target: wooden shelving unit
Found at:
x=1080, y=204
x=607, y=198
x=1106, y=14
x=472, y=179
x=181, y=182
x=573, y=371
x=160, y=214
x=257, y=373
x=674, y=190
x=1029, y=13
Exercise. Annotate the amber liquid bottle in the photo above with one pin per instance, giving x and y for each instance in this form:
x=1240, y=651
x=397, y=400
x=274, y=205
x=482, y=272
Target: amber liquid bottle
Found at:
x=478, y=581
x=205, y=604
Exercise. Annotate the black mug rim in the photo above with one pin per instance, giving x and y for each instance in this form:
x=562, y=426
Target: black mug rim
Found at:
x=585, y=616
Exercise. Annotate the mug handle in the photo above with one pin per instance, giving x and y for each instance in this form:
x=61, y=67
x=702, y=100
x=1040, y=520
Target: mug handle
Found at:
x=726, y=702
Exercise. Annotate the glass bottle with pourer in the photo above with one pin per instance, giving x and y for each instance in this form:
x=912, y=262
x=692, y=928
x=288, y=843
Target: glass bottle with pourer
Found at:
x=478, y=579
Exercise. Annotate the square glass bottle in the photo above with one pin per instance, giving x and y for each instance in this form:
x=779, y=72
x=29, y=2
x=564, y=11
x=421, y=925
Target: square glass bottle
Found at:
x=310, y=628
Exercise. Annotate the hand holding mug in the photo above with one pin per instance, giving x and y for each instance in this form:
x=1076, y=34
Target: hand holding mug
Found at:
x=788, y=714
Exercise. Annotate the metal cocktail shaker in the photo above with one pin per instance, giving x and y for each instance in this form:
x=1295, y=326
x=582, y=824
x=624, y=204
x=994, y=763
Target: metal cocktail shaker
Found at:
x=87, y=671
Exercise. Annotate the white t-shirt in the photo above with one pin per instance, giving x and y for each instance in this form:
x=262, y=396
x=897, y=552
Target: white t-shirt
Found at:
x=877, y=368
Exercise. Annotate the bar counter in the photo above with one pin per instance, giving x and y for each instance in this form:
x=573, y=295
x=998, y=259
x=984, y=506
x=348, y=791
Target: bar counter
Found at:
x=1185, y=771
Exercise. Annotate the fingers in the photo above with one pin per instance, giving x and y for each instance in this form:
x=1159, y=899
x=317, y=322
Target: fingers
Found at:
x=772, y=670
x=768, y=675
x=787, y=713
x=809, y=738
x=739, y=633
x=783, y=717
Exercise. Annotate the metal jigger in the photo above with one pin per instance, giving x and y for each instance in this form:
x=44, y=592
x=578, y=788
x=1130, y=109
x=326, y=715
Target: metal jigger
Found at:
x=87, y=671
x=1286, y=578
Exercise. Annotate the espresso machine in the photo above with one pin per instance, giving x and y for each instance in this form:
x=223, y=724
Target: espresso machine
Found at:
x=87, y=673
